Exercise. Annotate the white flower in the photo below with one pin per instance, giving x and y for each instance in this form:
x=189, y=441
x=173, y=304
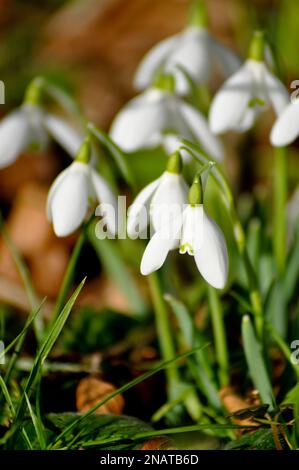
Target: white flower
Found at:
x=143, y=122
x=73, y=192
x=286, y=127
x=161, y=200
x=195, y=50
x=30, y=127
x=198, y=235
x=244, y=96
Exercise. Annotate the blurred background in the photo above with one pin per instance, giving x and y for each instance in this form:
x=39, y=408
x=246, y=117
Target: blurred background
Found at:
x=92, y=48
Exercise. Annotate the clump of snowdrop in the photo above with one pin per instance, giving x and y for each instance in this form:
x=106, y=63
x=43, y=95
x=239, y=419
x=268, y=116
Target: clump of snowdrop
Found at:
x=163, y=198
x=248, y=92
x=30, y=126
x=145, y=120
x=193, y=50
x=75, y=190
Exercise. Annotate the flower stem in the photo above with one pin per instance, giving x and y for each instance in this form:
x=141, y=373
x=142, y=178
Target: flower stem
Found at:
x=280, y=199
x=164, y=333
x=68, y=277
x=219, y=335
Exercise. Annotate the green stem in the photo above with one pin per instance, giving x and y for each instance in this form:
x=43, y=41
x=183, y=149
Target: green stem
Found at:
x=254, y=294
x=68, y=276
x=280, y=199
x=219, y=335
x=164, y=333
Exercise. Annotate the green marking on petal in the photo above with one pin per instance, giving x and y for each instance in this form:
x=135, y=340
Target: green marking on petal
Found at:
x=186, y=248
x=256, y=101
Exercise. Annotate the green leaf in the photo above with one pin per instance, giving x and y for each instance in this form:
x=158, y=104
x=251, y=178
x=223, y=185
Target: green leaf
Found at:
x=115, y=152
x=256, y=364
x=201, y=369
x=108, y=253
x=104, y=427
x=262, y=439
x=37, y=425
x=41, y=356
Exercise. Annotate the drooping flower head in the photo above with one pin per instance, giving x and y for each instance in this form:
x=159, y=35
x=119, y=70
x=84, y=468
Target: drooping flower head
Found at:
x=30, y=126
x=160, y=200
x=247, y=93
x=77, y=188
x=193, y=232
x=193, y=50
x=146, y=119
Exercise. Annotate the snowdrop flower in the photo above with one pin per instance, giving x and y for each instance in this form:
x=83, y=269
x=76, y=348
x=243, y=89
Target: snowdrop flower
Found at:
x=196, y=234
x=29, y=127
x=247, y=93
x=74, y=191
x=194, y=50
x=143, y=122
x=161, y=200
x=286, y=127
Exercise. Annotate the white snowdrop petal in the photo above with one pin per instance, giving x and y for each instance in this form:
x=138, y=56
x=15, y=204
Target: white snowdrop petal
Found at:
x=226, y=58
x=138, y=212
x=153, y=61
x=193, y=55
x=155, y=254
x=248, y=119
x=192, y=230
x=168, y=200
x=107, y=199
x=199, y=128
x=286, y=127
x=277, y=92
x=70, y=200
x=56, y=184
x=212, y=258
x=140, y=122
x=15, y=135
x=63, y=133
x=230, y=102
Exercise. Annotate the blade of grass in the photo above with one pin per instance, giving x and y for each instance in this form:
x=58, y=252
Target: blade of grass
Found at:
x=37, y=425
x=168, y=431
x=40, y=358
x=256, y=364
x=115, y=152
x=17, y=343
x=6, y=395
x=24, y=330
x=121, y=390
x=201, y=370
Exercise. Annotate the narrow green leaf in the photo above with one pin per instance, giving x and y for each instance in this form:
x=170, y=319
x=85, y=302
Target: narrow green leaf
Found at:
x=115, y=152
x=41, y=356
x=201, y=370
x=256, y=364
x=110, y=257
x=37, y=425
